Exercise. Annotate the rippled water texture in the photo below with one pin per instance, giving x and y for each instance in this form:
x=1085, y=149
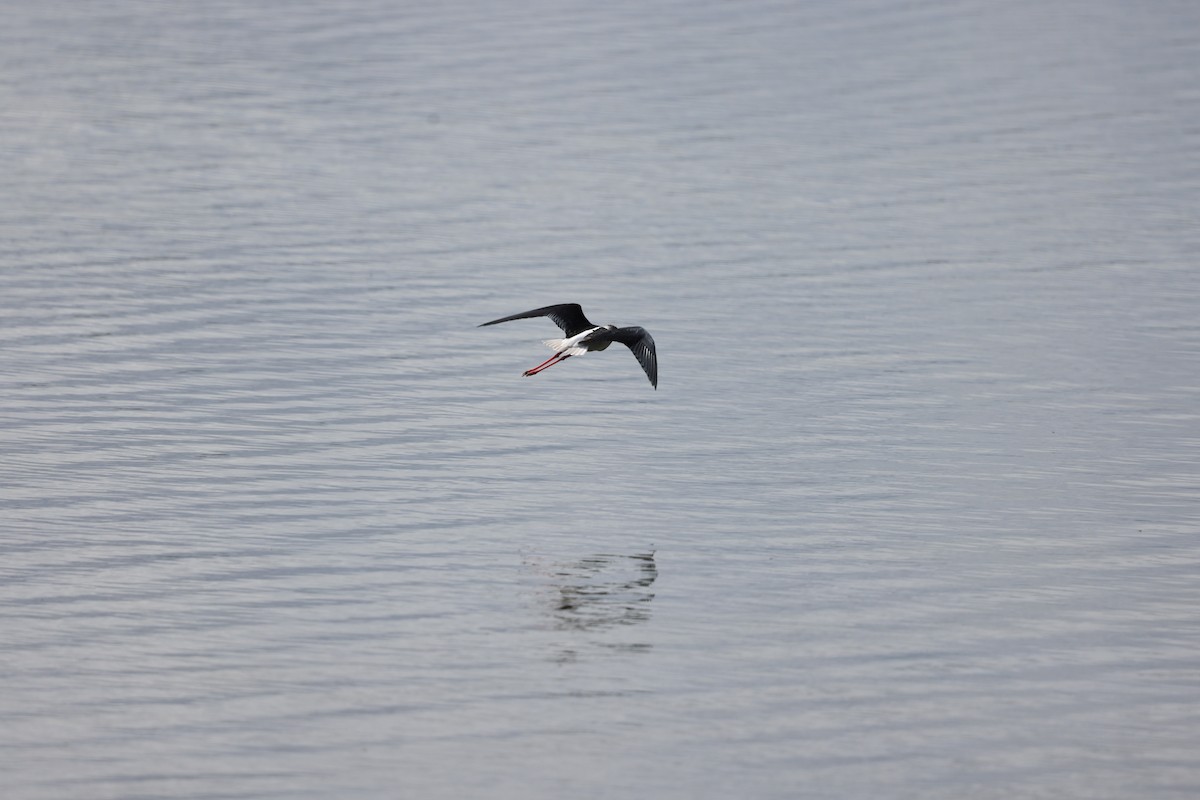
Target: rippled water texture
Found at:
x=912, y=514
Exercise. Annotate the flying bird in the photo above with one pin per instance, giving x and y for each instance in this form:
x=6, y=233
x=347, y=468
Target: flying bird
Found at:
x=584, y=336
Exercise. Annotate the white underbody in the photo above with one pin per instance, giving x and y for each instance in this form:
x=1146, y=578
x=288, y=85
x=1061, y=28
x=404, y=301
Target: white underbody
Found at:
x=572, y=346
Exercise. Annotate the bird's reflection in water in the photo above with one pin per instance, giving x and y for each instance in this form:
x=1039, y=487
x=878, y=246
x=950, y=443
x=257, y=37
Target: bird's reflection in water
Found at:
x=595, y=595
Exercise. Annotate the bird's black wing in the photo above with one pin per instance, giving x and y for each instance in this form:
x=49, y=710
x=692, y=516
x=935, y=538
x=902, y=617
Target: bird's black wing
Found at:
x=640, y=342
x=568, y=316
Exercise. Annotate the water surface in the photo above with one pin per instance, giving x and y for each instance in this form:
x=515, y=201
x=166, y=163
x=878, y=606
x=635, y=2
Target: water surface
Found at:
x=913, y=512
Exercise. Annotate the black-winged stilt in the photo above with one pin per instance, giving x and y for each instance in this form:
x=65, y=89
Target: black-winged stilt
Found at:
x=583, y=337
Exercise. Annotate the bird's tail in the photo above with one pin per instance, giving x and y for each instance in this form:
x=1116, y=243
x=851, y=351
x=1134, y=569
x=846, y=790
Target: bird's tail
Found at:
x=561, y=347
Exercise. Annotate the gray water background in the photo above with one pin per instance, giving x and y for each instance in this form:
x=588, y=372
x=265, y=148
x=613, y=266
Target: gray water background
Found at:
x=913, y=514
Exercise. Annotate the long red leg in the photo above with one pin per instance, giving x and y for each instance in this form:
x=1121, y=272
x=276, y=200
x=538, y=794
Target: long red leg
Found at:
x=545, y=363
x=550, y=362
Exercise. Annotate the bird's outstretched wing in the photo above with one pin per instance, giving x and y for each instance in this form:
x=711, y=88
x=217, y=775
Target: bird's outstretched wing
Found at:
x=640, y=342
x=568, y=316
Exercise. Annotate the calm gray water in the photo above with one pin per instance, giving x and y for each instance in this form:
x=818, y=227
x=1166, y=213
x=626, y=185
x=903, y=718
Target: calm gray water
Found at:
x=913, y=514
